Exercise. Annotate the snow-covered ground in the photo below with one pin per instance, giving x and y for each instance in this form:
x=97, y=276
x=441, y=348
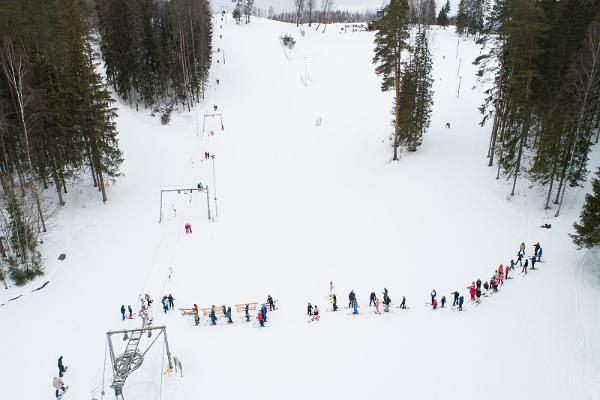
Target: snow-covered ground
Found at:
x=300, y=205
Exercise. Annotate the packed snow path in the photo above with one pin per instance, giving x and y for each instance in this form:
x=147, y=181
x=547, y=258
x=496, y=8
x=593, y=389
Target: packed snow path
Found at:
x=300, y=205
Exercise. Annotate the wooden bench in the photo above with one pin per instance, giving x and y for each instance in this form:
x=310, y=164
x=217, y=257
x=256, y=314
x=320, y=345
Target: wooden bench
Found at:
x=218, y=311
x=186, y=311
x=267, y=304
x=241, y=308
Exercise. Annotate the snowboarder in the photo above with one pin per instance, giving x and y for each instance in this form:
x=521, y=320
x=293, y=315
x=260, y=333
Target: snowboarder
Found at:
x=372, y=299
x=461, y=300
x=130, y=312
x=228, y=315
x=433, y=294
x=443, y=301
x=334, y=302
x=315, y=316
x=271, y=303
x=171, y=301
x=456, y=295
x=59, y=387
x=403, y=304
x=61, y=368
x=123, y=312
x=259, y=317
x=309, y=309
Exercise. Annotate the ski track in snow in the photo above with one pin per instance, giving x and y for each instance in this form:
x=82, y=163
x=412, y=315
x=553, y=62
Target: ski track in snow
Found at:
x=300, y=205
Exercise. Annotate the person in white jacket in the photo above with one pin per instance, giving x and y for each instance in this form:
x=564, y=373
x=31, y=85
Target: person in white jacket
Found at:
x=60, y=387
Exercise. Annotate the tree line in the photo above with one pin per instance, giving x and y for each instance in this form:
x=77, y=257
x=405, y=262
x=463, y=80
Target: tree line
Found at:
x=56, y=121
x=156, y=53
x=405, y=67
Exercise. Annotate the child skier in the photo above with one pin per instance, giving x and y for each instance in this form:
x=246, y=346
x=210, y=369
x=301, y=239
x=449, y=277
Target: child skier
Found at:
x=315, y=316
x=472, y=291
x=434, y=304
x=524, y=270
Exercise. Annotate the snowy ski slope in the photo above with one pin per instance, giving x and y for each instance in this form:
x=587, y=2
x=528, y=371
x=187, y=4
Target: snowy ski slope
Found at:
x=300, y=205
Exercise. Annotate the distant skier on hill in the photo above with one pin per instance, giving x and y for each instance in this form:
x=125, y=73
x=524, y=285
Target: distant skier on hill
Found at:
x=334, y=302
x=539, y=254
x=270, y=302
x=260, y=319
x=188, y=228
x=377, y=302
x=506, y=271
x=352, y=298
x=130, y=312
x=478, y=283
x=372, y=299
x=331, y=288
x=461, y=300
x=123, y=312
x=524, y=270
x=520, y=259
x=315, y=316
x=522, y=248
x=309, y=309
x=443, y=301
x=472, y=291
x=196, y=314
x=213, y=316
x=228, y=315
x=533, y=261
x=61, y=367
x=171, y=301
x=165, y=304
x=433, y=294
x=59, y=387
x=263, y=311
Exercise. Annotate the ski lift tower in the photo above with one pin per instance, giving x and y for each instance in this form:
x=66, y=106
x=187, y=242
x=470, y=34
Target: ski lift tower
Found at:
x=133, y=356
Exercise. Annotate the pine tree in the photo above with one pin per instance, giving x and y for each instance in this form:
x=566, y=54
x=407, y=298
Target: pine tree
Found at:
x=443, y=18
x=587, y=230
x=390, y=40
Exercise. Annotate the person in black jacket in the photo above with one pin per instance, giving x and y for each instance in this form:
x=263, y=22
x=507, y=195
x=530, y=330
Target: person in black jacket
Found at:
x=372, y=299
x=352, y=298
x=61, y=368
x=309, y=309
x=456, y=295
x=271, y=303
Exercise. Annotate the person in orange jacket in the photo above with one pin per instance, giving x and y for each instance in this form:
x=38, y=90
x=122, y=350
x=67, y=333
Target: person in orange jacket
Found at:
x=506, y=272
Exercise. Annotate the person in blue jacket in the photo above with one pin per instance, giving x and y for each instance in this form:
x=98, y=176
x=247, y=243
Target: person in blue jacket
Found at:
x=263, y=311
x=213, y=316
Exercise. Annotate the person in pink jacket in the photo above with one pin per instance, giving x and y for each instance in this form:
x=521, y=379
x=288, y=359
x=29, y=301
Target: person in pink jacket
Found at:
x=501, y=278
x=377, y=302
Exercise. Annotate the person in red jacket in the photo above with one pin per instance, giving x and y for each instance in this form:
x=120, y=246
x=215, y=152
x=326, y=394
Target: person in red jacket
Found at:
x=472, y=292
x=260, y=319
x=506, y=272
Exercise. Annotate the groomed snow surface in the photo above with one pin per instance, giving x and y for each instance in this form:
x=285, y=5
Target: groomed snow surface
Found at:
x=300, y=205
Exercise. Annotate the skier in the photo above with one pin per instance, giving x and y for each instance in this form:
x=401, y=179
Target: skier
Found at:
x=524, y=270
x=433, y=294
x=171, y=301
x=148, y=300
x=536, y=248
x=352, y=298
x=123, y=312
x=247, y=312
x=539, y=254
x=533, y=261
x=217, y=81
x=461, y=300
x=355, y=310
x=334, y=302
x=520, y=259
x=456, y=295
x=512, y=264
x=472, y=291
x=61, y=368
x=434, y=304
x=259, y=317
x=386, y=298
x=372, y=299
x=478, y=283
x=213, y=316
x=500, y=268
x=522, y=248
x=501, y=278
x=478, y=294
x=330, y=288
x=403, y=304
x=188, y=227
x=229, y=321
x=507, y=269
x=59, y=387
x=486, y=286
x=271, y=303
x=309, y=309
x=130, y=312
x=377, y=305
x=196, y=314
x=165, y=303
x=443, y=301
x=215, y=107
x=315, y=316
x=264, y=312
